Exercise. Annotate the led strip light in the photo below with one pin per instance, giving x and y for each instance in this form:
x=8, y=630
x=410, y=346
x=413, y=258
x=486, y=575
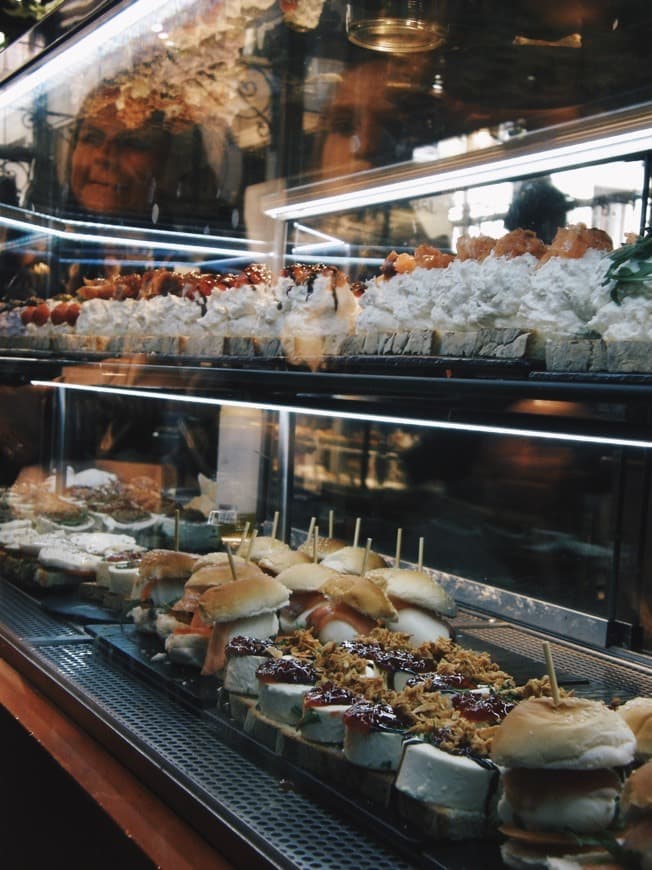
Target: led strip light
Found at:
x=351, y=415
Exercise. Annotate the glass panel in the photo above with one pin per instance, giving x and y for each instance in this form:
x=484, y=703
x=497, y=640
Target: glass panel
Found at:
x=521, y=514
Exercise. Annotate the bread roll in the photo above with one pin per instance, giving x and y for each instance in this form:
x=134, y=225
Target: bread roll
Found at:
x=360, y=594
x=278, y=560
x=264, y=547
x=305, y=577
x=638, y=715
x=350, y=560
x=415, y=587
x=243, y=598
x=166, y=564
x=325, y=546
x=216, y=575
x=575, y=734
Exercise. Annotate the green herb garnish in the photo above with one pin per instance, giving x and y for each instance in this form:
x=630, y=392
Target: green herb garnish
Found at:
x=630, y=280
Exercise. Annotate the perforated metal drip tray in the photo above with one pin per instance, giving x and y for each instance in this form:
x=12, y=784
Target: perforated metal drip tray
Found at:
x=233, y=782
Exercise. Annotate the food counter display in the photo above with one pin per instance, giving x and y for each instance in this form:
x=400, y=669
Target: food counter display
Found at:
x=326, y=419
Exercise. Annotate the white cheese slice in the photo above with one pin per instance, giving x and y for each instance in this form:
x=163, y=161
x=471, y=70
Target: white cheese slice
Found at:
x=121, y=580
x=338, y=631
x=240, y=674
x=377, y=750
x=431, y=775
x=324, y=724
x=420, y=625
x=282, y=702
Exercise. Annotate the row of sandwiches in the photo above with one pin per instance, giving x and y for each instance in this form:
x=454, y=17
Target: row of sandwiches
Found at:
x=354, y=662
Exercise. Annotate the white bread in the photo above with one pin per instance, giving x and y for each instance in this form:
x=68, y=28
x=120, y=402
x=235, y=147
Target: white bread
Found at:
x=583, y=801
x=263, y=548
x=576, y=734
x=216, y=558
x=216, y=575
x=415, y=587
x=166, y=564
x=243, y=598
x=638, y=715
x=360, y=594
x=350, y=560
x=325, y=546
x=278, y=560
x=305, y=577
x=420, y=625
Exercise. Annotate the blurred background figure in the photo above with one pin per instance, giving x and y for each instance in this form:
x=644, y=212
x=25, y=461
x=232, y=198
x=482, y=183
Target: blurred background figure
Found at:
x=539, y=206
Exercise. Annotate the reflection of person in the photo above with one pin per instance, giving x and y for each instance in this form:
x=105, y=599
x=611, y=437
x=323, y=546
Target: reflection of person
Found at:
x=114, y=169
x=136, y=160
x=539, y=206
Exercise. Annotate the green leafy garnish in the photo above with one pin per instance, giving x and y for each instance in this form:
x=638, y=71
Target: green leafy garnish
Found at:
x=630, y=281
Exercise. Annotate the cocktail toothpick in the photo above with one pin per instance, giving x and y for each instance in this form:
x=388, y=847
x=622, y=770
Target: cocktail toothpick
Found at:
x=554, y=687
x=399, y=544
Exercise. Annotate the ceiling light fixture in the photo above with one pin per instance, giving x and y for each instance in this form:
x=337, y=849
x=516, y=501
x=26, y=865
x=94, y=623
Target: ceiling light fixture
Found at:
x=396, y=26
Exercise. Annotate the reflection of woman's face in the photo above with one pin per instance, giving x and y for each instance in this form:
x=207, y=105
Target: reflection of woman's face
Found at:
x=112, y=166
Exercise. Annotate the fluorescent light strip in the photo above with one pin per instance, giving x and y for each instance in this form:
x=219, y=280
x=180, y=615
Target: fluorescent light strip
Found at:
x=350, y=415
x=116, y=241
x=337, y=261
x=150, y=231
x=548, y=160
x=83, y=49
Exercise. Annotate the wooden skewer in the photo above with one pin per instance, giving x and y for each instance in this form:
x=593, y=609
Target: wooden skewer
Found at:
x=177, y=520
x=231, y=562
x=250, y=548
x=420, y=559
x=315, y=543
x=275, y=524
x=245, y=532
x=365, y=558
x=356, y=533
x=554, y=687
x=311, y=527
x=399, y=543
x=331, y=523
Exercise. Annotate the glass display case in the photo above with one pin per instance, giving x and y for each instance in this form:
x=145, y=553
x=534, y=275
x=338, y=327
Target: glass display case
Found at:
x=376, y=268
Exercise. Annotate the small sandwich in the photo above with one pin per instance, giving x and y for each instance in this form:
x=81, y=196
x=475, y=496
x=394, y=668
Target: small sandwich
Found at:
x=445, y=774
x=304, y=582
x=279, y=559
x=244, y=655
x=186, y=635
x=638, y=715
x=562, y=776
x=422, y=604
x=324, y=707
x=374, y=735
x=161, y=578
x=282, y=685
x=245, y=607
x=263, y=548
x=354, y=560
x=354, y=606
x=325, y=547
x=636, y=809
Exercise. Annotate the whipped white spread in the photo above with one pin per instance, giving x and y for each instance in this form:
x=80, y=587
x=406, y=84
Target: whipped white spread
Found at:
x=565, y=294
x=325, y=306
x=401, y=302
x=103, y=543
x=629, y=321
x=65, y=557
x=241, y=311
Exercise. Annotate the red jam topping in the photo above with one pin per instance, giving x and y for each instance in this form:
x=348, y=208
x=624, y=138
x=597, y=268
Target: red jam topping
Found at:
x=389, y=660
x=482, y=708
x=327, y=694
x=442, y=682
x=366, y=716
x=287, y=671
x=246, y=646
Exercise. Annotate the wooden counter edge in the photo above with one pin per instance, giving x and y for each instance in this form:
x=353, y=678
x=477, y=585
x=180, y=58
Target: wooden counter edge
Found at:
x=160, y=834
